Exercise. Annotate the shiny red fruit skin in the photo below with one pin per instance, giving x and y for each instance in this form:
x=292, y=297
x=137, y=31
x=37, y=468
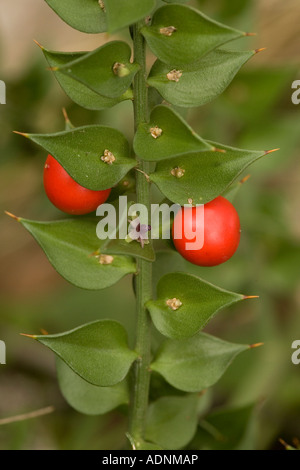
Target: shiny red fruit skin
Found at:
x=221, y=232
x=66, y=194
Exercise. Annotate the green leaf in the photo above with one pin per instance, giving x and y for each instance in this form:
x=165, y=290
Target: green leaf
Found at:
x=96, y=69
x=124, y=13
x=80, y=150
x=175, y=136
x=77, y=91
x=223, y=429
x=87, y=398
x=85, y=15
x=200, y=302
x=201, y=81
x=206, y=174
x=98, y=351
x=172, y=421
x=196, y=363
x=72, y=245
x=190, y=36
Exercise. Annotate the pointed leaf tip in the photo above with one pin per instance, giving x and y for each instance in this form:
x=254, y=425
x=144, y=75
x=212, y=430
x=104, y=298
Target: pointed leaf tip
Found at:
x=190, y=313
x=256, y=345
x=286, y=445
x=12, y=216
x=250, y=34
x=102, y=342
x=267, y=152
x=22, y=134
x=68, y=123
x=246, y=297
x=202, y=362
x=29, y=336
x=64, y=111
x=38, y=44
x=260, y=50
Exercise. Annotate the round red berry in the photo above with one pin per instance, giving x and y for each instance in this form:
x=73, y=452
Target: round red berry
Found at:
x=220, y=228
x=66, y=194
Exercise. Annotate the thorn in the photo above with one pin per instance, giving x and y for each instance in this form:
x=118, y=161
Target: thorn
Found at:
x=52, y=69
x=12, y=216
x=271, y=151
x=285, y=445
x=28, y=336
x=256, y=345
x=38, y=44
x=250, y=34
x=260, y=50
x=215, y=149
x=245, y=179
x=22, y=134
x=246, y=297
x=66, y=117
x=283, y=442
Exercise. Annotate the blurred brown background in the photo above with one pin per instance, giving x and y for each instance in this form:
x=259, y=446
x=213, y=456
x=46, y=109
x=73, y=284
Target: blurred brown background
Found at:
x=255, y=112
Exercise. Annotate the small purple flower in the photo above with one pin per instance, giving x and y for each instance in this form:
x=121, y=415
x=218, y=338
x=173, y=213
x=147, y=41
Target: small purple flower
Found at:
x=138, y=231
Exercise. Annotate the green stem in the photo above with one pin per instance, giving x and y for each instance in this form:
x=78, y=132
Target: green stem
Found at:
x=141, y=378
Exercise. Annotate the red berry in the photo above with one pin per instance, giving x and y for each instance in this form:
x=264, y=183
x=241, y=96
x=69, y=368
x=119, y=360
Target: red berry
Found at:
x=66, y=194
x=221, y=231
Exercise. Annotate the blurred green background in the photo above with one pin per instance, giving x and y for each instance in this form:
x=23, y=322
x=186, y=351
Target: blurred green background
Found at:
x=260, y=394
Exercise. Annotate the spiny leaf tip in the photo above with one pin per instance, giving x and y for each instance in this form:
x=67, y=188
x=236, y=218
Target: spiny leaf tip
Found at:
x=12, y=216
x=271, y=151
x=256, y=345
x=38, y=44
x=29, y=336
x=257, y=51
x=23, y=134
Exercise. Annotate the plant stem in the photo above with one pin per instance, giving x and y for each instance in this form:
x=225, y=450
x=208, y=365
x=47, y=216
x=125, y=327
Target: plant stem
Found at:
x=141, y=374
